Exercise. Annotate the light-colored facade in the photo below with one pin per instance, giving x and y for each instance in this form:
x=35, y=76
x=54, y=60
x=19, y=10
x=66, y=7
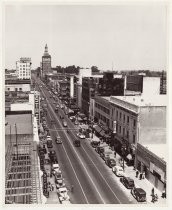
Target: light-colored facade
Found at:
x=17, y=87
x=23, y=68
x=139, y=120
x=34, y=99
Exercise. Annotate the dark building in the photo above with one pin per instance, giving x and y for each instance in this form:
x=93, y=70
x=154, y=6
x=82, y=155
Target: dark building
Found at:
x=46, y=62
x=110, y=86
x=163, y=83
x=135, y=83
x=107, y=85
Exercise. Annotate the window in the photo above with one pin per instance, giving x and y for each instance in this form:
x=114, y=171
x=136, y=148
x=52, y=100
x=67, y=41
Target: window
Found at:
x=127, y=119
x=15, y=89
x=119, y=129
x=20, y=89
x=117, y=114
x=120, y=115
x=134, y=138
x=127, y=134
x=8, y=88
x=124, y=118
x=134, y=123
x=123, y=131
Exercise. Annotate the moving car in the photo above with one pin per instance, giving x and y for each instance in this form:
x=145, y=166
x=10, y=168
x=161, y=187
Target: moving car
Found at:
x=58, y=140
x=64, y=124
x=139, y=194
x=118, y=171
x=127, y=182
x=77, y=143
x=80, y=135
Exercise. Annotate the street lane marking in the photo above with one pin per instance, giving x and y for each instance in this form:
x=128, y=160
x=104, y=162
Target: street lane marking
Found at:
x=102, y=176
x=80, y=160
x=71, y=163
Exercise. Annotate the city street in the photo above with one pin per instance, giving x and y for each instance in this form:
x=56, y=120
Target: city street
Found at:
x=93, y=181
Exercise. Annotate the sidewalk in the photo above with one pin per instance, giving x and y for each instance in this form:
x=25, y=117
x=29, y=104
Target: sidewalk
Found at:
x=144, y=183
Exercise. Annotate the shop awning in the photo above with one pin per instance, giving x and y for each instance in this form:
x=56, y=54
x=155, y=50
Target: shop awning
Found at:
x=97, y=128
x=102, y=133
x=129, y=157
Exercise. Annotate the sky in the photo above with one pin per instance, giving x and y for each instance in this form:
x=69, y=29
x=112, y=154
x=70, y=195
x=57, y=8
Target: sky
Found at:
x=118, y=37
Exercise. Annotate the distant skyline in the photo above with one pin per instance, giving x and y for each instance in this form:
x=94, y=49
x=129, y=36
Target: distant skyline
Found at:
x=128, y=37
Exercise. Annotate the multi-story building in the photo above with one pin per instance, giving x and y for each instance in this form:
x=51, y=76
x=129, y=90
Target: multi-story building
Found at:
x=17, y=85
x=23, y=68
x=34, y=99
x=46, y=62
x=163, y=83
x=138, y=120
x=23, y=183
x=89, y=90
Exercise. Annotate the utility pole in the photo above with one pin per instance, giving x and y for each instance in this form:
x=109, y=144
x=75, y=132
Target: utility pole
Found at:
x=16, y=141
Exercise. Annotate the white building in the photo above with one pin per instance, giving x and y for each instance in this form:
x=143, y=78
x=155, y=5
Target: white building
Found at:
x=23, y=68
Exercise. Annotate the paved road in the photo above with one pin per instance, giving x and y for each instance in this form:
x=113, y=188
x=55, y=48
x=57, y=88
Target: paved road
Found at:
x=94, y=182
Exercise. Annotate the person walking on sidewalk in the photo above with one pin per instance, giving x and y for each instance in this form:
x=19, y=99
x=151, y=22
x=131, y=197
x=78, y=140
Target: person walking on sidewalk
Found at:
x=143, y=175
x=137, y=173
x=153, y=190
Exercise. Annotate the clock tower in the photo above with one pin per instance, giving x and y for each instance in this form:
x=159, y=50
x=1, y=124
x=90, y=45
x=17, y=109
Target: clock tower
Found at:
x=46, y=62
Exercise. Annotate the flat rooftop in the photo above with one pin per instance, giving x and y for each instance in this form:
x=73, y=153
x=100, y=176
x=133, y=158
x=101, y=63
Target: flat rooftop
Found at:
x=23, y=123
x=140, y=101
x=160, y=150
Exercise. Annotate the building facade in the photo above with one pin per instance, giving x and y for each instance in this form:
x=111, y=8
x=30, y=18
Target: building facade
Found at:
x=17, y=85
x=23, y=68
x=46, y=62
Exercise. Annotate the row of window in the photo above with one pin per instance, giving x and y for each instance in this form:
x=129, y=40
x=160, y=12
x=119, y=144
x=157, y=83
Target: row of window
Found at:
x=16, y=89
x=123, y=131
x=123, y=117
x=101, y=117
x=104, y=109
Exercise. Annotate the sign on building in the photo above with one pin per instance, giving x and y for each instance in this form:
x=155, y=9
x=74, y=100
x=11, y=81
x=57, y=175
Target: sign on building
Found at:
x=114, y=126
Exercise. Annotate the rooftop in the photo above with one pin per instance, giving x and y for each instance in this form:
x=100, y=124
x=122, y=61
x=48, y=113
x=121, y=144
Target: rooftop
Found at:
x=140, y=101
x=158, y=149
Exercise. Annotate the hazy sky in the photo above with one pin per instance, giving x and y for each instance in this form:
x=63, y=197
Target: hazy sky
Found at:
x=130, y=37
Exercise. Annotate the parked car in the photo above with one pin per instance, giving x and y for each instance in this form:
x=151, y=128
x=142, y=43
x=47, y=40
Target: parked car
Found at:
x=139, y=194
x=60, y=183
x=80, y=135
x=58, y=176
x=111, y=162
x=49, y=144
x=94, y=144
x=55, y=168
x=118, y=171
x=127, y=182
x=62, y=193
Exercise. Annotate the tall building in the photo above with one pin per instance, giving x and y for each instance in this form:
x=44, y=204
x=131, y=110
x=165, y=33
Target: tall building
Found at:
x=46, y=62
x=23, y=68
x=163, y=83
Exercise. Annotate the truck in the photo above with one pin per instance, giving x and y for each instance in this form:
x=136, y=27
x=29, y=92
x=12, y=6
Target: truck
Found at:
x=107, y=153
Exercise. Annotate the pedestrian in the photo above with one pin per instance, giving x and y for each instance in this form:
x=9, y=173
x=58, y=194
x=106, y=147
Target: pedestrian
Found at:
x=140, y=176
x=153, y=190
x=137, y=173
x=115, y=154
x=143, y=175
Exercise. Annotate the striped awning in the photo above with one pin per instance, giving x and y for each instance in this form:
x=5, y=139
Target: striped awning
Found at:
x=97, y=128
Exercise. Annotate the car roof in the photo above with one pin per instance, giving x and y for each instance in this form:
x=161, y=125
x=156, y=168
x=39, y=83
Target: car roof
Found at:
x=62, y=188
x=140, y=190
x=128, y=178
x=55, y=165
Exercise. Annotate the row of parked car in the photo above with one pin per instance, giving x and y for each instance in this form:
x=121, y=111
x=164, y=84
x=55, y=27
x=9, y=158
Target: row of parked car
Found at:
x=107, y=155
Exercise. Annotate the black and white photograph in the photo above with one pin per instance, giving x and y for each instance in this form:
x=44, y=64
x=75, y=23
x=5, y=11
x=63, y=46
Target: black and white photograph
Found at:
x=85, y=109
